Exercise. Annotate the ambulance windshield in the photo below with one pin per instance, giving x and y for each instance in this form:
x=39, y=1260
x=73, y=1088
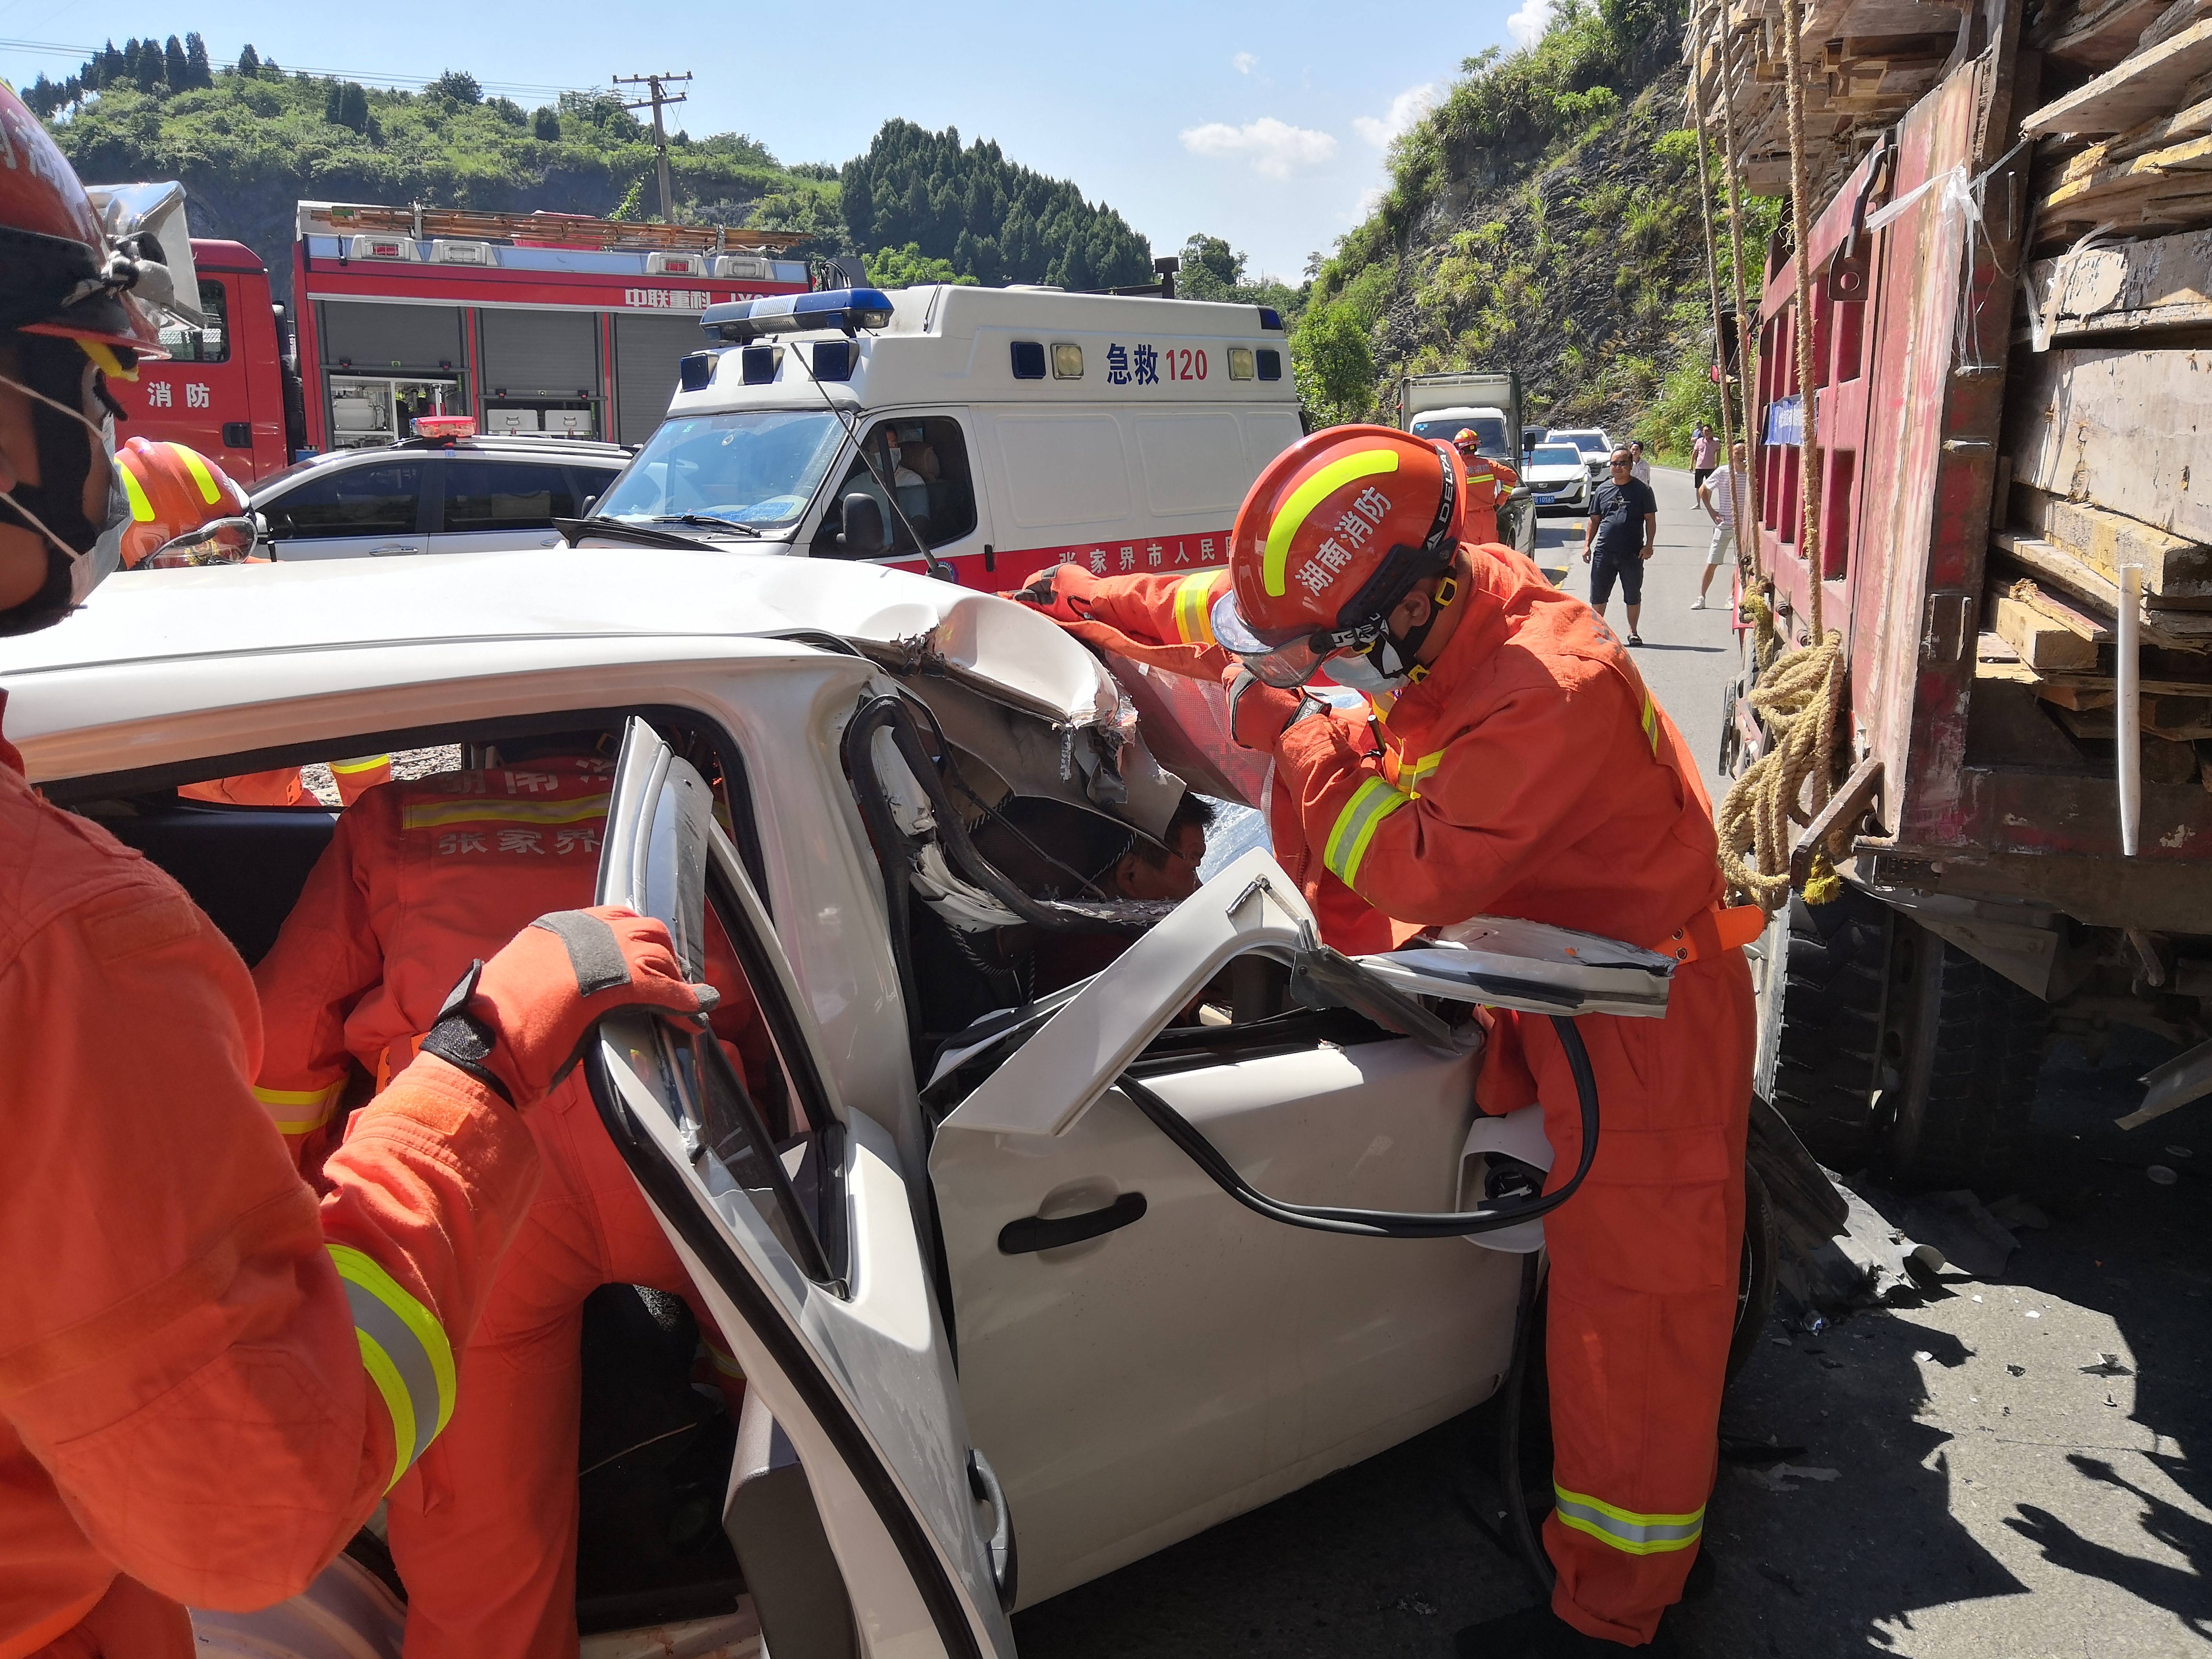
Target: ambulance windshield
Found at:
x=757, y=468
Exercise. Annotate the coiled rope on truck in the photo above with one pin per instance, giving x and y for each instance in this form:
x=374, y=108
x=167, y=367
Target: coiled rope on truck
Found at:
x=1798, y=696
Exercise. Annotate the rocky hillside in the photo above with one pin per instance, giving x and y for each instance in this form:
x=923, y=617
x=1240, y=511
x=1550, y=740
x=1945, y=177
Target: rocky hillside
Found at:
x=1544, y=217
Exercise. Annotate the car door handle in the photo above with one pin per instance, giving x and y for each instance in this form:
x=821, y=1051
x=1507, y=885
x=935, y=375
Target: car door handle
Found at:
x=1035, y=1232
x=395, y=547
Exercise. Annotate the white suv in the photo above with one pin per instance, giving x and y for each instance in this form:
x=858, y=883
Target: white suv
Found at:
x=480, y=494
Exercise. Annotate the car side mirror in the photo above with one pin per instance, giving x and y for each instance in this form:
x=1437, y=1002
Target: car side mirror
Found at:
x=590, y=502
x=864, y=524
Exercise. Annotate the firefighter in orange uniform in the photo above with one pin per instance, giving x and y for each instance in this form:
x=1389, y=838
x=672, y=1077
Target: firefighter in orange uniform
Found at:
x=419, y=878
x=174, y=492
x=208, y=1378
x=1488, y=483
x=1510, y=763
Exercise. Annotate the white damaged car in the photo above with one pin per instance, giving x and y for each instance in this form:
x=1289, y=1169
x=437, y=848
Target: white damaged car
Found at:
x=1019, y=1299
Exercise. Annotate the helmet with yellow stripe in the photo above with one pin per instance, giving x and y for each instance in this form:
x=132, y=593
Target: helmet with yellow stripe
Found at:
x=174, y=492
x=1331, y=537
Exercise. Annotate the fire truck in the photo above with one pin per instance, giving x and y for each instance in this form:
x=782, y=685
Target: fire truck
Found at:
x=2005, y=294
x=540, y=323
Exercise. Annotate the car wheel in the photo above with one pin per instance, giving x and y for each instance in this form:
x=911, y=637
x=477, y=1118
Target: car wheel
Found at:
x=1761, y=1258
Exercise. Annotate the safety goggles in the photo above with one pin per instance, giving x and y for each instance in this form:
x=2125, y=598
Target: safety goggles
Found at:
x=1291, y=664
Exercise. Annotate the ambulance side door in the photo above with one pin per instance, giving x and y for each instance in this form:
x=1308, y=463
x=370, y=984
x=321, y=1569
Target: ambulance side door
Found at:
x=937, y=488
x=805, y=1246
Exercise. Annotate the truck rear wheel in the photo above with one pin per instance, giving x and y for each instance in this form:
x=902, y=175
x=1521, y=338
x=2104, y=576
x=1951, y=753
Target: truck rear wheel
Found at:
x=1823, y=988
x=1974, y=1044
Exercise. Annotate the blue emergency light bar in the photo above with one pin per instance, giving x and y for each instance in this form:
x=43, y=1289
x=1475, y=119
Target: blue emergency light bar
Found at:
x=847, y=308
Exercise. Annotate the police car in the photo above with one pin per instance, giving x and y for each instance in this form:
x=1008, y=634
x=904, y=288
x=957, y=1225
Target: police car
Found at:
x=1020, y=1302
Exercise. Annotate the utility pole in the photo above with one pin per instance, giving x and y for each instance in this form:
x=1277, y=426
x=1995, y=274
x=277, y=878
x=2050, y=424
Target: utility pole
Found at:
x=656, y=98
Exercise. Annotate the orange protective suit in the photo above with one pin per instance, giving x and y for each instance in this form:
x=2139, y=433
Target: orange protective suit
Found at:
x=1488, y=483
x=285, y=788
x=420, y=879
x=1531, y=775
x=189, y=1409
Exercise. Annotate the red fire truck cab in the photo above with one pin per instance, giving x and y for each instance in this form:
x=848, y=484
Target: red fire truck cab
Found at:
x=532, y=322
x=222, y=389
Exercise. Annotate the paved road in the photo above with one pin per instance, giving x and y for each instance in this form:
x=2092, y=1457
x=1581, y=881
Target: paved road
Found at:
x=2013, y=1468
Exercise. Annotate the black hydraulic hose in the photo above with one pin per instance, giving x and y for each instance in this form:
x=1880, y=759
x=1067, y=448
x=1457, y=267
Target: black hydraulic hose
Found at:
x=1527, y=1329
x=1382, y=1224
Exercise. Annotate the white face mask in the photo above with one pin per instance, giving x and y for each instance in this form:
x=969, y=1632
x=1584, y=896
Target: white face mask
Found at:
x=1358, y=670
x=87, y=567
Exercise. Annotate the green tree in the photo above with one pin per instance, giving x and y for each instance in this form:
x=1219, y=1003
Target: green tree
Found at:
x=909, y=267
x=457, y=86
x=249, y=61
x=175, y=69
x=1333, y=364
x=545, y=125
x=1211, y=268
x=198, y=73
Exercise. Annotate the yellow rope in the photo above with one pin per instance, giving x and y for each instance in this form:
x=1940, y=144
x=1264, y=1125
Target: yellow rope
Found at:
x=1799, y=700
x=1801, y=227
x=1746, y=320
x=1712, y=266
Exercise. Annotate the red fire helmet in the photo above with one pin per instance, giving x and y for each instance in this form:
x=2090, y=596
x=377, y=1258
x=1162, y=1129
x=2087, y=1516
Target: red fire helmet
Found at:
x=173, y=491
x=59, y=274
x=1330, y=537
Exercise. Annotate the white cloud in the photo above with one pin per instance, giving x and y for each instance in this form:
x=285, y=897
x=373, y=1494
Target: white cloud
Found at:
x=1527, y=25
x=1408, y=107
x=1275, y=148
x=1245, y=62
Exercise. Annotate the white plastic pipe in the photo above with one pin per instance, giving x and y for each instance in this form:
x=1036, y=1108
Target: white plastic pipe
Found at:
x=2129, y=748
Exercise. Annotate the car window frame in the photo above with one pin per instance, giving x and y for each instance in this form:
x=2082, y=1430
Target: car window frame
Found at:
x=569, y=473
x=423, y=510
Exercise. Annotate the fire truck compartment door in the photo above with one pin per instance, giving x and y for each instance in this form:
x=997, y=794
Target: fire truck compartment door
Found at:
x=647, y=352
x=545, y=355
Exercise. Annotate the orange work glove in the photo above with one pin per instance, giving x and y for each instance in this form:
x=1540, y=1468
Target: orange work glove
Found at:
x=1062, y=591
x=517, y=1023
x=1259, y=713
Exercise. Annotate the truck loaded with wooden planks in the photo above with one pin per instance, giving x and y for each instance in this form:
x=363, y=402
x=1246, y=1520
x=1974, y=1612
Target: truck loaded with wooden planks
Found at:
x=1973, y=757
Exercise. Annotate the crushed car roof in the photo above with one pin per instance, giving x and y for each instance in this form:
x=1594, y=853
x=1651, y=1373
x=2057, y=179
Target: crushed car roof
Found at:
x=241, y=613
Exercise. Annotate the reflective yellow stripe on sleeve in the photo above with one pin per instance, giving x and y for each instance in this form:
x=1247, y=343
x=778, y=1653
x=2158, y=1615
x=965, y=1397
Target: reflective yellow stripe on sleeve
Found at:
x=1627, y=1530
x=432, y=814
x=403, y=1350
x=1651, y=723
x=1371, y=803
x=1193, y=609
x=1411, y=775
x=365, y=764
x=296, y=1111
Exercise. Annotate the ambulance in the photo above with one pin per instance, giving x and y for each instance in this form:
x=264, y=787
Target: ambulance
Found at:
x=977, y=433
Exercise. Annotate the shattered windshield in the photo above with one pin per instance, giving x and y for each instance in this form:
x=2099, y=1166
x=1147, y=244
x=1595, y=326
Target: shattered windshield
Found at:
x=756, y=468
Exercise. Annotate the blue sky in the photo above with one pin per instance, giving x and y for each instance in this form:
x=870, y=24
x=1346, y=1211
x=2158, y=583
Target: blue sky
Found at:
x=1266, y=125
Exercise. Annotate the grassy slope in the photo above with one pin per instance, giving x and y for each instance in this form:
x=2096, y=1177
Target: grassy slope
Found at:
x=1545, y=218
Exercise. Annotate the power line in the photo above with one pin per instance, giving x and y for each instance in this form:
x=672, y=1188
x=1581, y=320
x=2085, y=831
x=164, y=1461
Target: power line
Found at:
x=54, y=49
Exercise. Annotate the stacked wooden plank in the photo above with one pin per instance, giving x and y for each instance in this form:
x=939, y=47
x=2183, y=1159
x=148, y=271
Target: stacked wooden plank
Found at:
x=2109, y=408
x=1862, y=63
x=2127, y=137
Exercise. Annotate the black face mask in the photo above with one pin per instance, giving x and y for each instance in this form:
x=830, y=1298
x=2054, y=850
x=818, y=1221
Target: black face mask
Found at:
x=53, y=509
